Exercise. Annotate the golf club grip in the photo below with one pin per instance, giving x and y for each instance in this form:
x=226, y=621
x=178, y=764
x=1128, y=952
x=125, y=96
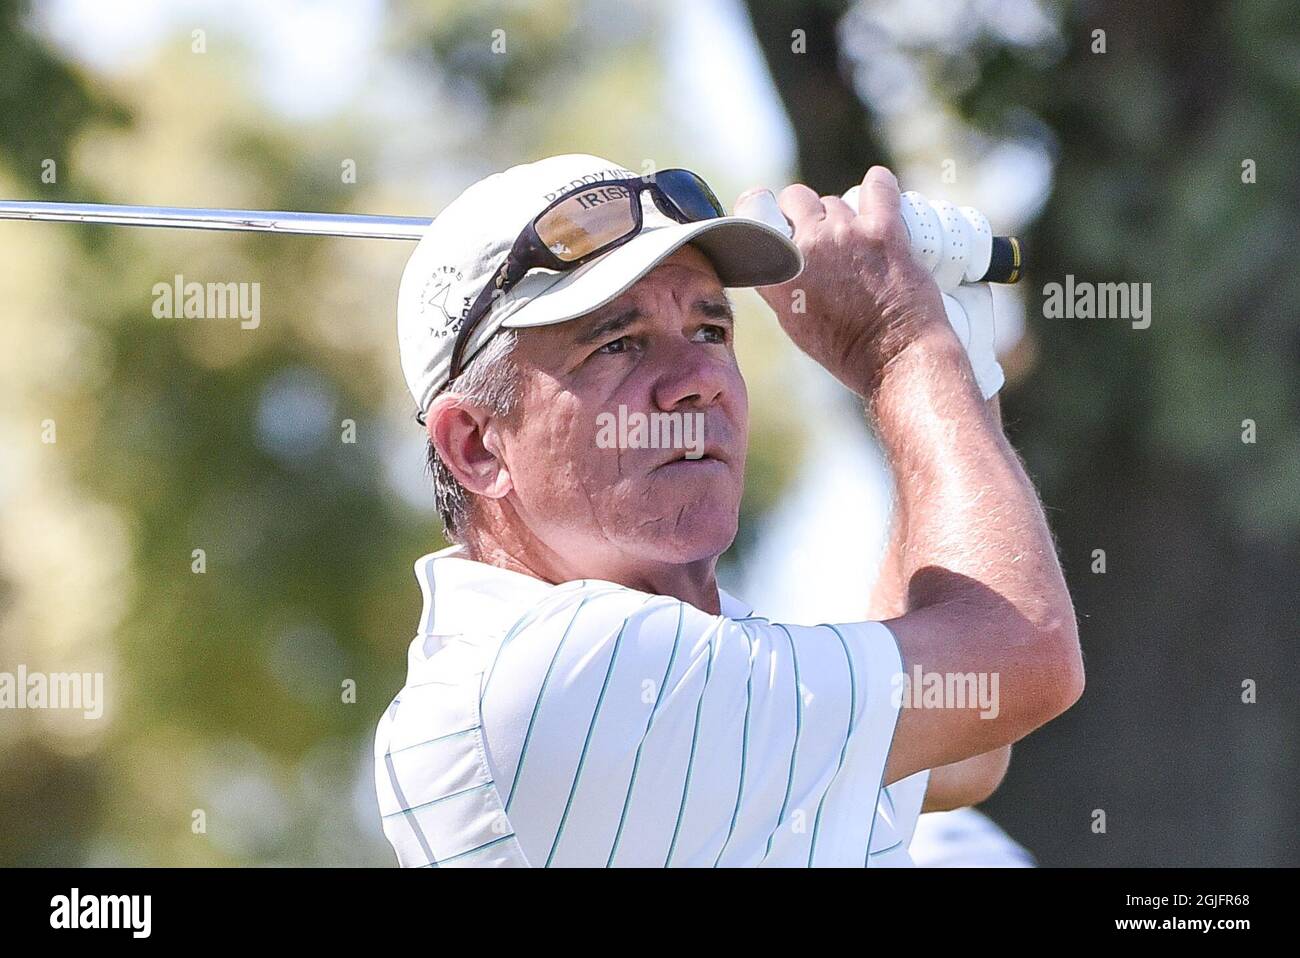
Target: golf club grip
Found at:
x=952, y=242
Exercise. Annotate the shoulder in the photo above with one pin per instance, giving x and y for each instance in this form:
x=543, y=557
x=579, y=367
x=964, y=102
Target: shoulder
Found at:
x=587, y=616
x=589, y=611
x=594, y=625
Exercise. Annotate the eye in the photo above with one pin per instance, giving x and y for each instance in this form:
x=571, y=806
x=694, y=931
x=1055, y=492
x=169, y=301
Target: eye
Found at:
x=712, y=333
x=615, y=346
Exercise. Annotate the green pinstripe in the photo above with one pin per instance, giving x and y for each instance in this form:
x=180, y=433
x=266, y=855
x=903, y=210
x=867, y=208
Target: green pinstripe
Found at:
x=523, y=750
x=636, y=762
x=794, y=750
x=690, y=762
x=586, y=743
x=744, y=747
x=848, y=735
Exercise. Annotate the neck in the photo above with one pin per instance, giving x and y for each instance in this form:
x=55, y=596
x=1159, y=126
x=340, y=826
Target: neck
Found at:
x=694, y=582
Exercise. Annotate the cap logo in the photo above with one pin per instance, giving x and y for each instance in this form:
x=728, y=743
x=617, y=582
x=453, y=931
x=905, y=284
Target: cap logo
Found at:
x=437, y=306
x=613, y=173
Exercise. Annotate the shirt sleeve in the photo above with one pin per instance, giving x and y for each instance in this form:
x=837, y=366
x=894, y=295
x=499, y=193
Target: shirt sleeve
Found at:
x=896, y=816
x=628, y=729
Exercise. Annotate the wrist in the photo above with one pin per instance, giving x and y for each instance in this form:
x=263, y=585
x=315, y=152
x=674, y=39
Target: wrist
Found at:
x=932, y=350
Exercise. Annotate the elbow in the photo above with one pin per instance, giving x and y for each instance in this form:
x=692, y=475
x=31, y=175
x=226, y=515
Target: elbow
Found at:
x=1047, y=678
x=1061, y=673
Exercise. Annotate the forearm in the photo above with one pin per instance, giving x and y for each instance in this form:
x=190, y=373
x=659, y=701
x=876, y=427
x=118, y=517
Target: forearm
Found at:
x=966, y=508
x=889, y=593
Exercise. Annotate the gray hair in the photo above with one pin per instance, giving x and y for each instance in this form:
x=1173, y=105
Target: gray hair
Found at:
x=490, y=380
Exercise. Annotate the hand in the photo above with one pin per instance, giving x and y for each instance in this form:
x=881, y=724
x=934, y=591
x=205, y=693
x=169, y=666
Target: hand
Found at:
x=861, y=297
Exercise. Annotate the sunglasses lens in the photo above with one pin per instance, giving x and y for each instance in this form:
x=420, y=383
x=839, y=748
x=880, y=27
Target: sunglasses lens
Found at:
x=690, y=194
x=585, y=222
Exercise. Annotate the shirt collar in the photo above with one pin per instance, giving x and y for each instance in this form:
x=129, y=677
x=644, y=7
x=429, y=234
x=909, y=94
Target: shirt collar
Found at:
x=463, y=597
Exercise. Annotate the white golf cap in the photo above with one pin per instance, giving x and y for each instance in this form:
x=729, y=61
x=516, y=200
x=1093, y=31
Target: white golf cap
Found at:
x=468, y=241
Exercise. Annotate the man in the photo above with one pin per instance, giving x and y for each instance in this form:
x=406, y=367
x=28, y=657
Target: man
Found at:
x=580, y=691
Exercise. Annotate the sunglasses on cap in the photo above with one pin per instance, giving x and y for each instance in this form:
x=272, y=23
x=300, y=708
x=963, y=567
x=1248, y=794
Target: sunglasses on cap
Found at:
x=581, y=224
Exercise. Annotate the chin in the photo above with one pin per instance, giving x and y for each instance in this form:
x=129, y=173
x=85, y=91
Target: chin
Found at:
x=705, y=531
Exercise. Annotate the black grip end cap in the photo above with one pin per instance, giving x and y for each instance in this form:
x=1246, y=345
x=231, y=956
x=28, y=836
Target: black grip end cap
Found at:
x=1006, y=262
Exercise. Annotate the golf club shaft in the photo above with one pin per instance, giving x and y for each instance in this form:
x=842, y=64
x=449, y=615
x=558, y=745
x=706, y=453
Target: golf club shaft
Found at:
x=249, y=221
x=1005, y=267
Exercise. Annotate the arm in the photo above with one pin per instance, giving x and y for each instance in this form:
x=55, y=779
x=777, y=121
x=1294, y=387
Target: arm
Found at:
x=984, y=592
x=889, y=593
x=969, y=781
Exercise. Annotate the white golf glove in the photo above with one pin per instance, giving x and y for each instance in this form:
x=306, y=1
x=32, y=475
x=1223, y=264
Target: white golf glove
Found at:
x=970, y=313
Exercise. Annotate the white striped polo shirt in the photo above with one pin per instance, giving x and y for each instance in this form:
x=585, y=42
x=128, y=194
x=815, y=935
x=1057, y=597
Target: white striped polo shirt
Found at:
x=592, y=725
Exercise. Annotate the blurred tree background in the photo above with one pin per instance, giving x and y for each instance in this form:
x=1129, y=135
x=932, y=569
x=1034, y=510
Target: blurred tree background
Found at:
x=226, y=689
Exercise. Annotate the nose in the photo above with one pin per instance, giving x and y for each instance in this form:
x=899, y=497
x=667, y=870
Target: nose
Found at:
x=689, y=375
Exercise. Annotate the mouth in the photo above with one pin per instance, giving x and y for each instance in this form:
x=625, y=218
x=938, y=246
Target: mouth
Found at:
x=681, y=459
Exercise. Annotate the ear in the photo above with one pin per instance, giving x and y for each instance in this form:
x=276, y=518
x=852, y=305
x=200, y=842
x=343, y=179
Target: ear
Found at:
x=468, y=443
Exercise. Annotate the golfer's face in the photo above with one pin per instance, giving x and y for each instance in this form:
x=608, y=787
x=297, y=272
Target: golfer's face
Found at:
x=635, y=422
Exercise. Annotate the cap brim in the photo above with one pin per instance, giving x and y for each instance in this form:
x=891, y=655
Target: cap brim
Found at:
x=744, y=252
